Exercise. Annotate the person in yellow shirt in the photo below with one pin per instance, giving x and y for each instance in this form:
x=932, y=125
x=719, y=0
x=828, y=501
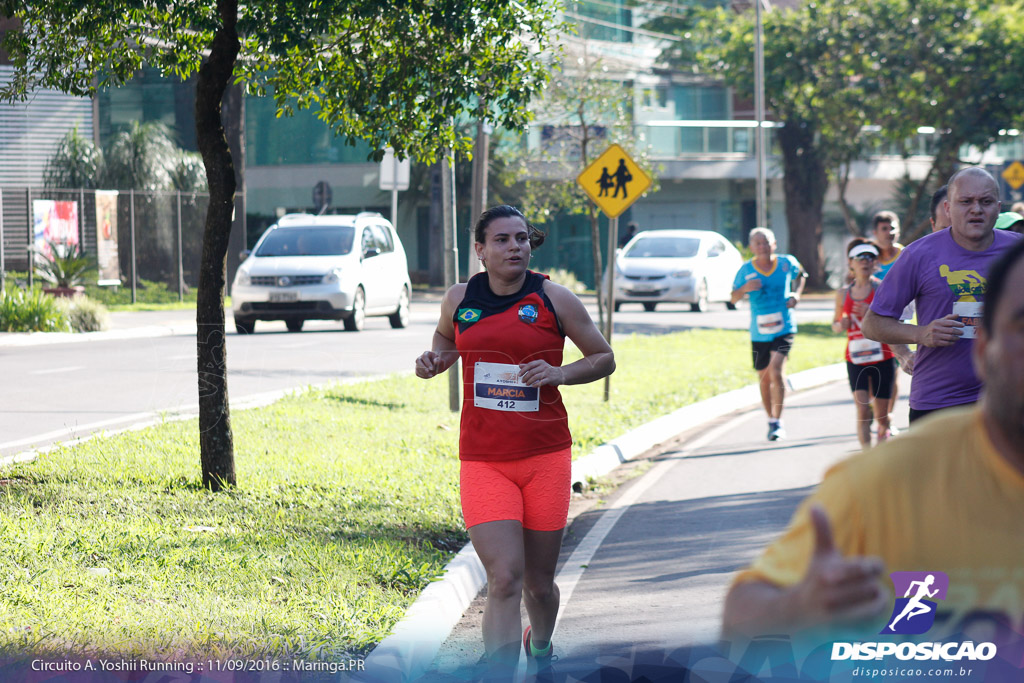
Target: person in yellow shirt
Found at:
x=947, y=496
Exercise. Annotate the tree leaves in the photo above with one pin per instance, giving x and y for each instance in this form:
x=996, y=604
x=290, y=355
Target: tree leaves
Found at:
x=393, y=74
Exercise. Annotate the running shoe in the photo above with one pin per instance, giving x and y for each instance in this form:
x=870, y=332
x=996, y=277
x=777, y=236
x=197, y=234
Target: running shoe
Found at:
x=542, y=659
x=776, y=432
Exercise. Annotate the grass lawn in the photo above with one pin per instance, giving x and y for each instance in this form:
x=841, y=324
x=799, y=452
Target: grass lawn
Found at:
x=347, y=506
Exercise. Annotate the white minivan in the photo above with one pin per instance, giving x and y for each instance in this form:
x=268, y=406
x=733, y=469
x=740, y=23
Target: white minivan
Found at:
x=308, y=267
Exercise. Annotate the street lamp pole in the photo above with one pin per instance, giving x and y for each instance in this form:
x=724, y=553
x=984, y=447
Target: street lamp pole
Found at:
x=762, y=188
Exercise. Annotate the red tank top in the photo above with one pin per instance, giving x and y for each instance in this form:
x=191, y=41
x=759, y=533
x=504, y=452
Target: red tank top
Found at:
x=853, y=333
x=505, y=331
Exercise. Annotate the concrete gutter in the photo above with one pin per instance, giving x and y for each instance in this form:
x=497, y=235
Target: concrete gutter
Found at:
x=408, y=652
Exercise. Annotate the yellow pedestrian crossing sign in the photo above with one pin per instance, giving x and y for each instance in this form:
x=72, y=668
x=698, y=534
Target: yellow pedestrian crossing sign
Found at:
x=614, y=181
x=1014, y=175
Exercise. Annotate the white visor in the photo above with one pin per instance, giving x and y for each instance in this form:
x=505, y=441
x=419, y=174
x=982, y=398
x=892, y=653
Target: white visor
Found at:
x=863, y=249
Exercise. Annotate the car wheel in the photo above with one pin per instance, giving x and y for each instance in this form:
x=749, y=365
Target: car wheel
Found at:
x=294, y=325
x=354, y=322
x=618, y=305
x=730, y=305
x=649, y=306
x=400, y=318
x=702, y=303
x=243, y=326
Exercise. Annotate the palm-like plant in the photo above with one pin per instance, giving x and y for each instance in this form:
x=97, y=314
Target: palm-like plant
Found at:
x=65, y=267
x=76, y=163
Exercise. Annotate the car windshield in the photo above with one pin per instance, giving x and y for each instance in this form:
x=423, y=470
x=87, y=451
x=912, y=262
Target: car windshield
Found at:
x=664, y=247
x=333, y=241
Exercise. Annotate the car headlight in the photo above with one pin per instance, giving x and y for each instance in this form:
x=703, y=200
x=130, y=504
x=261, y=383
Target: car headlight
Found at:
x=333, y=275
x=681, y=273
x=243, y=278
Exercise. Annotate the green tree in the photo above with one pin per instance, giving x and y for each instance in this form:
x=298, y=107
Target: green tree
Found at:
x=813, y=60
x=75, y=163
x=145, y=158
x=835, y=67
x=390, y=74
x=953, y=65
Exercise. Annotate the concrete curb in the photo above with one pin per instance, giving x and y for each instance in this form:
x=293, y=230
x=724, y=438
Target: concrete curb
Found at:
x=409, y=651
x=45, y=338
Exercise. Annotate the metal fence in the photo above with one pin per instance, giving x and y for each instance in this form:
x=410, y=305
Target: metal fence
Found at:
x=159, y=235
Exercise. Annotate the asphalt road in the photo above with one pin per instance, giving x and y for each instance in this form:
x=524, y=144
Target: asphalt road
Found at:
x=59, y=391
x=54, y=392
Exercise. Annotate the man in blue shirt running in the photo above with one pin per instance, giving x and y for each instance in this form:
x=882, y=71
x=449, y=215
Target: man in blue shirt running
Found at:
x=774, y=283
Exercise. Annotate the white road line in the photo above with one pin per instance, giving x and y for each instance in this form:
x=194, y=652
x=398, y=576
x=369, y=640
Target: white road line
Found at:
x=54, y=371
x=67, y=435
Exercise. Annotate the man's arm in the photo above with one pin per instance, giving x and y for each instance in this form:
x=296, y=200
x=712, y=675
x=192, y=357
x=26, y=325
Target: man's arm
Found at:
x=939, y=332
x=834, y=589
x=751, y=285
x=794, y=296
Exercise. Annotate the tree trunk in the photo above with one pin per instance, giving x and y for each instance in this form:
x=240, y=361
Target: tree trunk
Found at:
x=943, y=164
x=216, y=444
x=595, y=228
x=233, y=116
x=805, y=183
x=842, y=182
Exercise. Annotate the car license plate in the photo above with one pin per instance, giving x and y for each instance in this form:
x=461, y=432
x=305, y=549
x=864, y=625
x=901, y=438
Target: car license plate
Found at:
x=283, y=297
x=639, y=287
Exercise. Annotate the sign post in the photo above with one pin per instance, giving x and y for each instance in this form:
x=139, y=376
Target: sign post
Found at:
x=613, y=181
x=1013, y=176
x=394, y=176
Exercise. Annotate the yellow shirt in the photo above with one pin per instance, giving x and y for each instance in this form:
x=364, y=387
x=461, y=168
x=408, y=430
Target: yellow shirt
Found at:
x=939, y=497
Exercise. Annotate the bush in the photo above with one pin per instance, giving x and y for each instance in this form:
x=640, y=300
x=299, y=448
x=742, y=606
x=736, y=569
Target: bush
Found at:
x=85, y=314
x=31, y=311
x=66, y=265
x=147, y=292
x=567, y=279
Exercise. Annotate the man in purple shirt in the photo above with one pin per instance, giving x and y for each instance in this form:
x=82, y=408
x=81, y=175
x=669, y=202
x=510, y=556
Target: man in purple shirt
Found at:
x=944, y=274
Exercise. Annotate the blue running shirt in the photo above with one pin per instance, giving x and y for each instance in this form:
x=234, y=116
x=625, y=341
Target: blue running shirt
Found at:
x=769, y=315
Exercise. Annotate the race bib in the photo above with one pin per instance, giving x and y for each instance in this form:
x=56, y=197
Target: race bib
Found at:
x=969, y=313
x=769, y=323
x=496, y=386
x=864, y=351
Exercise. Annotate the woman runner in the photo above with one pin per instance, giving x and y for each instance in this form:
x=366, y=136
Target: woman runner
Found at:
x=509, y=324
x=869, y=364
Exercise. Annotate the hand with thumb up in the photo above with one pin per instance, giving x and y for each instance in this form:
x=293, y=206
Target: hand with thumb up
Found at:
x=836, y=588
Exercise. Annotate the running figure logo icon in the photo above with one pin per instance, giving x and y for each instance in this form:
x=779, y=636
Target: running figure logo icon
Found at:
x=914, y=613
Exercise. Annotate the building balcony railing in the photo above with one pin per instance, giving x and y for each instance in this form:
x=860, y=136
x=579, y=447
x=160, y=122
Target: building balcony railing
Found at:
x=724, y=139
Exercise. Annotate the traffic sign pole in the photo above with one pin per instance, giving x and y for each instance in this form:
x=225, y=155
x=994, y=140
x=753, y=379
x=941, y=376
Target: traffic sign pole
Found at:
x=613, y=182
x=613, y=233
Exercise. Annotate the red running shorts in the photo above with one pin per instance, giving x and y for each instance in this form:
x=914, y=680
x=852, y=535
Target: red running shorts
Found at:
x=534, y=491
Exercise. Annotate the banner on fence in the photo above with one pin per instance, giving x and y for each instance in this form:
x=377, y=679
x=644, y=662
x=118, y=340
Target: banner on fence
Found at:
x=53, y=223
x=106, y=237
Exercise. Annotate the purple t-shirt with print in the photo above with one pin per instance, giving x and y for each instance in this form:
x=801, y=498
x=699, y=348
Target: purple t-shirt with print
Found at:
x=935, y=272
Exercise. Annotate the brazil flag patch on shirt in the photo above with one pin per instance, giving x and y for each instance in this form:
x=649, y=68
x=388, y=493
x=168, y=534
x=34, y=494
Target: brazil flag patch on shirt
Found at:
x=469, y=315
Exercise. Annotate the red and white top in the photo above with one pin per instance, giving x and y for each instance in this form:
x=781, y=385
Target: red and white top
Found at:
x=859, y=349
x=501, y=418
